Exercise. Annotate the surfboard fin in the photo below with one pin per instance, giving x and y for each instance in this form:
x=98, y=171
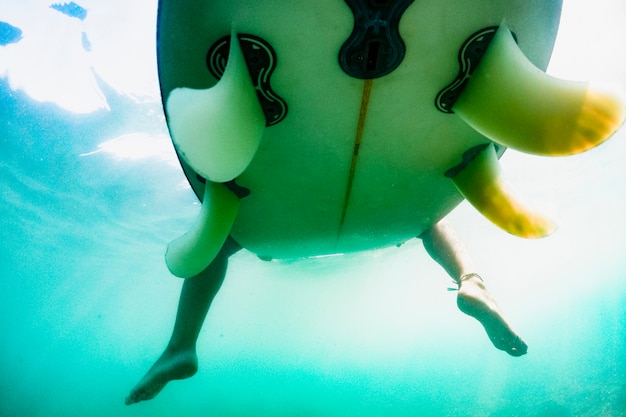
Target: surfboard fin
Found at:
x=515, y=104
x=191, y=253
x=217, y=131
x=479, y=180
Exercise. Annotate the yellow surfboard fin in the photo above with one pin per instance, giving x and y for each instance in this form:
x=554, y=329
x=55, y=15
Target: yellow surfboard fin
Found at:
x=514, y=103
x=480, y=182
x=191, y=253
x=217, y=131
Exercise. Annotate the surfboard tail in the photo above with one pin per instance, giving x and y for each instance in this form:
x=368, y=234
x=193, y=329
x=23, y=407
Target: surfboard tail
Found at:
x=191, y=253
x=480, y=181
x=513, y=103
x=217, y=131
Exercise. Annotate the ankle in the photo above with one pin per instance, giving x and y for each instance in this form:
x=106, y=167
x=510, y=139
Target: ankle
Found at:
x=174, y=347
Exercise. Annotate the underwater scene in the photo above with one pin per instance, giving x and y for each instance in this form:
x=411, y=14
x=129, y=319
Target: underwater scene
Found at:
x=92, y=192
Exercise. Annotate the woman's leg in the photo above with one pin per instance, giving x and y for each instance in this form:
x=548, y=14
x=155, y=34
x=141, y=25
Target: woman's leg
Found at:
x=443, y=245
x=179, y=360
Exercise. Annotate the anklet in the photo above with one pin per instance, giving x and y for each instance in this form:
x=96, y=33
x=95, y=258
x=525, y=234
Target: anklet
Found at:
x=464, y=278
x=468, y=276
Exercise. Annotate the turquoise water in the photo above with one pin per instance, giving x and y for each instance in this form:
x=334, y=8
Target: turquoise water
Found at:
x=92, y=194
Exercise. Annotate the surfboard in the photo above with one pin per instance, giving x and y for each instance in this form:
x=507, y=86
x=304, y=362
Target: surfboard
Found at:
x=355, y=151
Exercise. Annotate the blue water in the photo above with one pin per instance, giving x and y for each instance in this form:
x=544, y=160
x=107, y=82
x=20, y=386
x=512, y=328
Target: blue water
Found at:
x=71, y=9
x=90, y=198
x=9, y=33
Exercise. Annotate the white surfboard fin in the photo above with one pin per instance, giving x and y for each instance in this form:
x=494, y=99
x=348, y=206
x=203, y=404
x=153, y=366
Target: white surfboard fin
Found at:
x=479, y=180
x=191, y=253
x=515, y=104
x=217, y=131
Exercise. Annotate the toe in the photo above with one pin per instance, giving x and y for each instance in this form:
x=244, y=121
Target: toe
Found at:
x=520, y=348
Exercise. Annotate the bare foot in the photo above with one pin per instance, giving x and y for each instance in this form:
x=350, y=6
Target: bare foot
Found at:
x=474, y=300
x=170, y=366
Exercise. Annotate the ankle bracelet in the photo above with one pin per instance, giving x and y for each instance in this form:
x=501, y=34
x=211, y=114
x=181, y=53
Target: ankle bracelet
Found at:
x=468, y=276
x=464, y=278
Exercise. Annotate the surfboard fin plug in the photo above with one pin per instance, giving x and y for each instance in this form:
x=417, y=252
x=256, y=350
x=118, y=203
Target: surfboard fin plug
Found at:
x=512, y=102
x=479, y=180
x=191, y=253
x=375, y=47
x=217, y=131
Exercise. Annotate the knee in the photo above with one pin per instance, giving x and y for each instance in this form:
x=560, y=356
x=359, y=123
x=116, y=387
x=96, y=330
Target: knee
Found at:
x=436, y=229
